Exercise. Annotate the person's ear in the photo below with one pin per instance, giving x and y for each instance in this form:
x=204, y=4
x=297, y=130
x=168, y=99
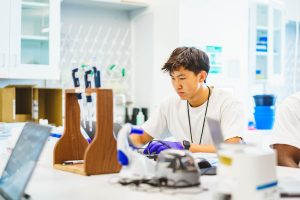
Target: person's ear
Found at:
x=202, y=76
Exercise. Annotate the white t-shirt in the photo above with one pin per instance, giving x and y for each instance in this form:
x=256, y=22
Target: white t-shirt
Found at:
x=172, y=117
x=287, y=122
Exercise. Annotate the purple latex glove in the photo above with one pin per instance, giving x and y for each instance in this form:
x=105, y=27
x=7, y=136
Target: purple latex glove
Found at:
x=156, y=146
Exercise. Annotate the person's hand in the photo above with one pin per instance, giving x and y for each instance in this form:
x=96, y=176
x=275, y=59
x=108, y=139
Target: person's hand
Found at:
x=156, y=146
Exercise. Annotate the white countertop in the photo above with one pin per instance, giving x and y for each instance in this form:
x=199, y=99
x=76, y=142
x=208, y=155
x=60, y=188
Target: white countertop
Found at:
x=49, y=183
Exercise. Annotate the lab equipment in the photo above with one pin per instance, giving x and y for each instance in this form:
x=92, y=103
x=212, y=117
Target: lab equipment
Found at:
x=264, y=117
x=264, y=114
x=156, y=146
x=264, y=100
x=97, y=77
x=174, y=168
x=100, y=156
x=76, y=81
x=246, y=172
x=145, y=113
x=140, y=119
x=88, y=136
x=134, y=164
x=127, y=118
x=177, y=168
x=73, y=162
x=135, y=112
x=119, y=108
x=88, y=84
x=203, y=163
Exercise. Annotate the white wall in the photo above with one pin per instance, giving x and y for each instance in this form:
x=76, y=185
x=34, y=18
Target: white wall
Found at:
x=219, y=23
x=155, y=34
x=292, y=10
x=191, y=23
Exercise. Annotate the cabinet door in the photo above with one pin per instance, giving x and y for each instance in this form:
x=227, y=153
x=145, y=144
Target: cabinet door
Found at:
x=262, y=42
x=276, y=42
x=4, y=38
x=266, y=41
x=35, y=39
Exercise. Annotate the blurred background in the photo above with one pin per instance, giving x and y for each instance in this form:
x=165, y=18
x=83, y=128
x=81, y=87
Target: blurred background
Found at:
x=253, y=47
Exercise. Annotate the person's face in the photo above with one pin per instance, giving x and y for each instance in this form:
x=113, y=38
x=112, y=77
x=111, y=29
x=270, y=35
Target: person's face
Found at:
x=186, y=83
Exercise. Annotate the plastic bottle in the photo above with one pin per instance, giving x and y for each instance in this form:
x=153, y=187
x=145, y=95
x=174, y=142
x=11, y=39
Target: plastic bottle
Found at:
x=140, y=119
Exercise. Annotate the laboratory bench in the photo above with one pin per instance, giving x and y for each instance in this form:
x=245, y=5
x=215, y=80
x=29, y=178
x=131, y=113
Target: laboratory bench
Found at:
x=49, y=183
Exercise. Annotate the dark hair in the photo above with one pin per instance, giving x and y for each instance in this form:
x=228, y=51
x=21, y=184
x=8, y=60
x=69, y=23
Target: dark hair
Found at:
x=190, y=58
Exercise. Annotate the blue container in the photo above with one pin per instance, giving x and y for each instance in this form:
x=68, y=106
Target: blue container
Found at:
x=264, y=100
x=264, y=121
x=264, y=110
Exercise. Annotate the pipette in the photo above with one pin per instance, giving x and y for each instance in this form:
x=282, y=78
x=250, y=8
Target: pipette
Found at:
x=97, y=77
x=76, y=82
x=87, y=80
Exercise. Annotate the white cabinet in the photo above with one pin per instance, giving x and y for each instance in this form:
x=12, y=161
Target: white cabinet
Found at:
x=33, y=35
x=266, y=41
x=4, y=35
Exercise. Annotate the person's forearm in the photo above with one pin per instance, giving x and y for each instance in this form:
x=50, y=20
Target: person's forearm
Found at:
x=234, y=140
x=202, y=148
x=287, y=162
x=211, y=148
x=140, y=140
x=136, y=140
x=287, y=155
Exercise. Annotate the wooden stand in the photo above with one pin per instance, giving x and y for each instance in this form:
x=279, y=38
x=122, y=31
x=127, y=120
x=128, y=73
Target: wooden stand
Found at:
x=100, y=156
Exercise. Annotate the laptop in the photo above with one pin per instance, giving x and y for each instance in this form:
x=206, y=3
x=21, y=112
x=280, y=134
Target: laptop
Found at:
x=215, y=132
x=217, y=138
x=22, y=161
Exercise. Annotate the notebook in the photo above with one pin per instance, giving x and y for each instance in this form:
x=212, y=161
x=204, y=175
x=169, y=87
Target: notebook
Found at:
x=22, y=161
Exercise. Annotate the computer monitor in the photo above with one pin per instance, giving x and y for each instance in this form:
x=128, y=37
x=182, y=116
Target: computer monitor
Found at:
x=22, y=161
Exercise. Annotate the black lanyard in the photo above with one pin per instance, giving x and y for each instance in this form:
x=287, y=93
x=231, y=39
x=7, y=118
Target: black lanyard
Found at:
x=188, y=111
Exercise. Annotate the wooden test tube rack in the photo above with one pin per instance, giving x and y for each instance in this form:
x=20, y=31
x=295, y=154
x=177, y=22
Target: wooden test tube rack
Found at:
x=100, y=156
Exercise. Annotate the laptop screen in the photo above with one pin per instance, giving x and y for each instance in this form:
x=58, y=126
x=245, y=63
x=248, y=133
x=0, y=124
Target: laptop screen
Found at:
x=21, y=163
x=215, y=131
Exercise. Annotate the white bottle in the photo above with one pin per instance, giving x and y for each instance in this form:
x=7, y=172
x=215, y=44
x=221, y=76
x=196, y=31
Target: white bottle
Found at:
x=140, y=119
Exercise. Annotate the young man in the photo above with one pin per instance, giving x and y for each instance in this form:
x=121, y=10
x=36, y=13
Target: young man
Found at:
x=286, y=138
x=184, y=116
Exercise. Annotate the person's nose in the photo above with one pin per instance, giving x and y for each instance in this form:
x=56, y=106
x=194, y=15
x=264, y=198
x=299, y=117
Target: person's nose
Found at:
x=177, y=84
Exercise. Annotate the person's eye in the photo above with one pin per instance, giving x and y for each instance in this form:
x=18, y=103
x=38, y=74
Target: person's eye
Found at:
x=183, y=78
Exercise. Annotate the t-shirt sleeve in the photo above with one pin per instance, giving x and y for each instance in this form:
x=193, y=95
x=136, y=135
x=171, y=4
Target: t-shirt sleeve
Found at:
x=287, y=124
x=156, y=125
x=233, y=119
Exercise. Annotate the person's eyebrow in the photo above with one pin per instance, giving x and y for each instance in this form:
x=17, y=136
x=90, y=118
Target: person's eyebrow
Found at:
x=178, y=75
x=181, y=75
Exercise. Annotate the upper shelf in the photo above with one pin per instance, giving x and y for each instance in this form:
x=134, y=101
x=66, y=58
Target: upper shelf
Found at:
x=31, y=4
x=34, y=37
x=110, y=4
